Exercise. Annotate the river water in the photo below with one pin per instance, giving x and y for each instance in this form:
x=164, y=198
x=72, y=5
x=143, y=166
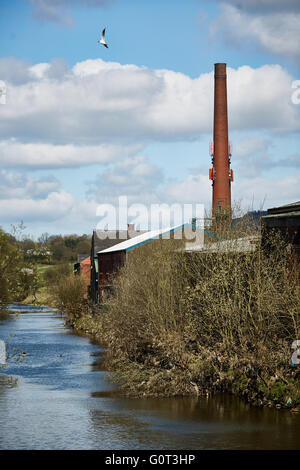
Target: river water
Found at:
x=56, y=396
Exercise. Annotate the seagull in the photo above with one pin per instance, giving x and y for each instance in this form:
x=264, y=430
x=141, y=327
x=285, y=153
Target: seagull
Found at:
x=102, y=40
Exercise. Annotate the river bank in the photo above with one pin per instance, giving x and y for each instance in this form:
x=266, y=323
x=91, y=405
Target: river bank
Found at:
x=41, y=297
x=62, y=401
x=151, y=378
x=196, y=324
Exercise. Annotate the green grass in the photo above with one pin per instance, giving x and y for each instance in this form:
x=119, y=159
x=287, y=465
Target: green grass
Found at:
x=42, y=296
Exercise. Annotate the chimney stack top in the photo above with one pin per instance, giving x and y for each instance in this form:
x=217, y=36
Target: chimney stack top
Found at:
x=220, y=70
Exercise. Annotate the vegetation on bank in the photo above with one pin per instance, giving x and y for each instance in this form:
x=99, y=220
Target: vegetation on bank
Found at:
x=18, y=277
x=196, y=323
x=28, y=267
x=47, y=275
x=69, y=294
x=59, y=288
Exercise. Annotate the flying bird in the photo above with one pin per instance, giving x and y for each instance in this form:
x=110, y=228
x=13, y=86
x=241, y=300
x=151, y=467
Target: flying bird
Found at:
x=102, y=40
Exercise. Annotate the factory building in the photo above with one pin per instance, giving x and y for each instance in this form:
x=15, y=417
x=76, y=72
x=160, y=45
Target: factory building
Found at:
x=111, y=260
x=286, y=220
x=101, y=240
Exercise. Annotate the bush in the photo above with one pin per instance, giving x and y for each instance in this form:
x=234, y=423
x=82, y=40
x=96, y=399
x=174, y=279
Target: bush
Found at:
x=220, y=319
x=68, y=294
x=54, y=274
x=17, y=278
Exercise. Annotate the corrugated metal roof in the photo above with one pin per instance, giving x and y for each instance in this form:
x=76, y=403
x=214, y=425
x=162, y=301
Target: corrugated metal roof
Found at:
x=103, y=239
x=245, y=244
x=293, y=207
x=143, y=238
x=283, y=214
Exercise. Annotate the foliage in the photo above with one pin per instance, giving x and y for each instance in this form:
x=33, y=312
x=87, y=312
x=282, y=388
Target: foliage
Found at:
x=17, y=278
x=66, y=248
x=68, y=292
x=54, y=274
x=221, y=319
x=54, y=249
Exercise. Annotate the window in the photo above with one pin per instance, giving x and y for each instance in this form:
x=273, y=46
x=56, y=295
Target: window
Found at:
x=107, y=266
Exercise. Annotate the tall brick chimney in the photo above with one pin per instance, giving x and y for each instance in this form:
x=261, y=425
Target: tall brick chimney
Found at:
x=221, y=174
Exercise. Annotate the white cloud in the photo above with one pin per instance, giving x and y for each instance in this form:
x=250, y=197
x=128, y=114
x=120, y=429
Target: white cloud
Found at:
x=41, y=203
x=43, y=156
x=134, y=177
x=265, y=192
x=265, y=5
x=254, y=156
x=44, y=206
x=25, y=198
x=104, y=113
x=20, y=186
x=261, y=99
x=19, y=71
x=55, y=206
x=274, y=31
x=101, y=102
x=196, y=188
x=250, y=146
x=15, y=71
x=252, y=192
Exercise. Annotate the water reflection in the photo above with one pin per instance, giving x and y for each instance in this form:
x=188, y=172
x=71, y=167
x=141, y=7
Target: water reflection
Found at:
x=64, y=401
x=221, y=422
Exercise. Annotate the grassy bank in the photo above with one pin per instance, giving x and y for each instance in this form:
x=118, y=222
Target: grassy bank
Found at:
x=200, y=323
x=42, y=297
x=48, y=276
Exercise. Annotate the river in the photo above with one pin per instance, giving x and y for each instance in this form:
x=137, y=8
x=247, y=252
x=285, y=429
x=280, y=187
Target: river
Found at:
x=55, y=395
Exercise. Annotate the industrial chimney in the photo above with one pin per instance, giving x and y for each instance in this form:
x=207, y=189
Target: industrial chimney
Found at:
x=220, y=150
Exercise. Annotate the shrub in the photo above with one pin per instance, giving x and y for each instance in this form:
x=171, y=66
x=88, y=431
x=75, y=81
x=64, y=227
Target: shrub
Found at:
x=223, y=318
x=54, y=274
x=17, y=278
x=68, y=294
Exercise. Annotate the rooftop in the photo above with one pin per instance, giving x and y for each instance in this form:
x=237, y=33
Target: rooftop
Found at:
x=145, y=237
x=293, y=208
x=245, y=244
x=103, y=239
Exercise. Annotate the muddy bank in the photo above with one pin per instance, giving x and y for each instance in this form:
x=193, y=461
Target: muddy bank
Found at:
x=152, y=376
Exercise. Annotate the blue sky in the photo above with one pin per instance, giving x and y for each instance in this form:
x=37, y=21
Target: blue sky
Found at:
x=83, y=124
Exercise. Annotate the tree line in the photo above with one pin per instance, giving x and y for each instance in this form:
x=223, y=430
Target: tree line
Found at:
x=55, y=249
x=22, y=259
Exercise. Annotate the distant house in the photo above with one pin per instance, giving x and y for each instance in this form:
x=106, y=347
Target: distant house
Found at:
x=77, y=265
x=83, y=267
x=102, y=240
x=39, y=254
x=111, y=259
x=26, y=271
x=81, y=257
x=285, y=219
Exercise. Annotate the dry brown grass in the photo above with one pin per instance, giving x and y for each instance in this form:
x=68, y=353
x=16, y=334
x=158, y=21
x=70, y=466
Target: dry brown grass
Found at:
x=68, y=295
x=221, y=320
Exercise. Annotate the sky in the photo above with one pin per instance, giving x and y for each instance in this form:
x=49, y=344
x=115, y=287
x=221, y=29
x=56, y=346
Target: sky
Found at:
x=83, y=124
